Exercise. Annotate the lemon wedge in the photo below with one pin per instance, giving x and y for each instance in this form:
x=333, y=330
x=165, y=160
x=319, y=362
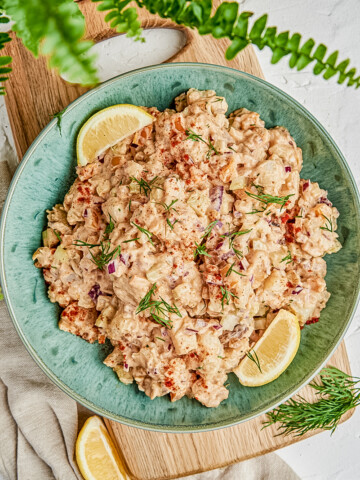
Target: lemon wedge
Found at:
x=96, y=455
x=273, y=353
x=107, y=127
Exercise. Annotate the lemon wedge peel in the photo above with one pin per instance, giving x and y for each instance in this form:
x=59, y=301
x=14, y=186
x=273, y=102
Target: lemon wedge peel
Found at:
x=108, y=127
x=275, y=350
x=96, y=454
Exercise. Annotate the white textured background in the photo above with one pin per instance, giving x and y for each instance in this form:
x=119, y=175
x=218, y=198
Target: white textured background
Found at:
x=337, y=24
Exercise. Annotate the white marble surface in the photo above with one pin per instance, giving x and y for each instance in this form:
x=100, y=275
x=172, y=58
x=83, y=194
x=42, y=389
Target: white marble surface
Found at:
x=335, y=23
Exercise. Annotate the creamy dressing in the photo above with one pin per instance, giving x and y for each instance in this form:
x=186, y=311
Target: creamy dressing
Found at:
x=213, y=219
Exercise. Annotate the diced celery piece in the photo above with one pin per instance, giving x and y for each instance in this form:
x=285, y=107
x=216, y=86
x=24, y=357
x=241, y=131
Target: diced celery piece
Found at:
x=238, y=182
x=124, y=377
x=61, y=255
x=199, y=201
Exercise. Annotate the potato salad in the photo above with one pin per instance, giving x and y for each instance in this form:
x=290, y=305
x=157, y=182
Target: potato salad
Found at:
x=179, y=245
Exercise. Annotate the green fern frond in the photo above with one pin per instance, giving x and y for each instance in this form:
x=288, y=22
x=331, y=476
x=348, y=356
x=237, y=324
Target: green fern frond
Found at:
x=125, y=20
x=55, y=28
x=4, y=60
x=227, y=22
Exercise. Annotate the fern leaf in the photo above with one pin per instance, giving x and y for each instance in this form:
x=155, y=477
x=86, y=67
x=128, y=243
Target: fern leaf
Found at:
x=5, y=60
x=228, y=22
x=55, y=28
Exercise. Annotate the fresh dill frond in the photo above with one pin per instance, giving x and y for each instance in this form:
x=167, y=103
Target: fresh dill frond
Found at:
x=57, y=235
x=104, y=256
x=267, y=199
x=328, y=225
x=256, y=211
x=131, y=240
x=337, y=393
x=195, y=137
x=159, y=309
x=254, y=358
x=231, y=269
x=209, y=228
x=200, y=250
x=58, y=116
x=109, y=227
x=226, y=294
x=232, y=236
x=146, y=187
x=146, y=232
x=169, y=207
x=171, y=225
x=287, y=259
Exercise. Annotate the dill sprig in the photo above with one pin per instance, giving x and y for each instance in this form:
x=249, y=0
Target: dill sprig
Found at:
x=104, y=256
x=337, y=393
x=130, y=240
x=226, y=294
x=143, y=230
x=200, y=250
x=191, y=135
x=254, y=358
x=146, y=187
x=232, y=236
x=109, y=227
x=287, y=259
x=171, y=225
x=267, y=199
x=328, y=225
x=159, y=338
x=159, y=309
x=58, y=117
x=231, y=269
x=209, y=228
x=57, y=235
x=169, y=207
x=257, y=211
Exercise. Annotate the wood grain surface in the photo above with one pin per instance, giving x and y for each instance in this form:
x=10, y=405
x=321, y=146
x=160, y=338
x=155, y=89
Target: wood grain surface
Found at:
x=33, y=94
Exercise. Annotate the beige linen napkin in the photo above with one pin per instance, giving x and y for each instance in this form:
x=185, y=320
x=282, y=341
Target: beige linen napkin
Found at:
x=39, y=423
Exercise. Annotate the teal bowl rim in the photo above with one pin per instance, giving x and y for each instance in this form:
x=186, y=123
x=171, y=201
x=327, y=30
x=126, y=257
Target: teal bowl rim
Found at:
x=96, y=409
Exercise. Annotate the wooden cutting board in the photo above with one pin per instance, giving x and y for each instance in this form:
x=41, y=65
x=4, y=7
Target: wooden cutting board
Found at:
x=33, y=94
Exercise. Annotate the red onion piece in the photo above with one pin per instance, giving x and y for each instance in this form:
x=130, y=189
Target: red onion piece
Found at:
x=124, y=257
x=190, y=331
x=297, y=290
x=111, y=267
x=306, y=185
x=219, y=245
x=126, y=367
x=200, y=323
x=251, y=279
x=95, y=292
x=85, y=214
x=325, y=200
x=237, y=214
x=217, y=327
x=243, y=264
x=216, y=196
x=101, y=157
x=287, y=169
x=227, y=255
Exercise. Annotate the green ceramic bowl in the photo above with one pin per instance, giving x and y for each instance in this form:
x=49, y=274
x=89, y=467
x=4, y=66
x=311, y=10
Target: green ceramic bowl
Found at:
x=45, y=175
